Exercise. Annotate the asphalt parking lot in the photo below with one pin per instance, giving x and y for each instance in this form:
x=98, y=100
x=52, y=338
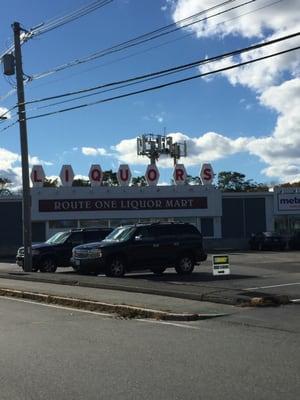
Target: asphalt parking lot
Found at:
x=271, y=272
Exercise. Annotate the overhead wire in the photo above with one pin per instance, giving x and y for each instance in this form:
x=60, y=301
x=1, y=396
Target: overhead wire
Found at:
x=156, y=46
x=165, y=84
x=58, y=22
x=146, y=37
x=172, y=69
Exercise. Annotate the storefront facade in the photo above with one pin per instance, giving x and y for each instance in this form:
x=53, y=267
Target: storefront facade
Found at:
x=73, y=207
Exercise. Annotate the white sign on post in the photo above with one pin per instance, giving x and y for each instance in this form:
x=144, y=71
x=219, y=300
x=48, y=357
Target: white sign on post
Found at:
x=37, y=176
x=179, y=174
x=66, y=175
x=206, y=174
x=124, y=175
x=152, y=175
x=220, y=264
x=95, y=175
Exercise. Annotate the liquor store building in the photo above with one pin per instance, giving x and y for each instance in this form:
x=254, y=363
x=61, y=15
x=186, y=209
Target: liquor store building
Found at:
x=226, y=220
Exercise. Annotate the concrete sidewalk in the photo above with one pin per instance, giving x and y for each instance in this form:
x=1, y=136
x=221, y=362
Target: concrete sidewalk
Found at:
x=117, y=301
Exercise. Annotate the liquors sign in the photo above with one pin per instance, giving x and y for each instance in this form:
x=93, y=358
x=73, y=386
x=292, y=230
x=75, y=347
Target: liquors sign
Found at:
x=123, y=175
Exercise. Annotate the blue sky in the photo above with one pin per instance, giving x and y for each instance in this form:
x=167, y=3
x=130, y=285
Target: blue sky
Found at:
x=245, y=120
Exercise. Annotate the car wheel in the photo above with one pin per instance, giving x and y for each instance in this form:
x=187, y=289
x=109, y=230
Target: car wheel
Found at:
x=158, y=270
x=259, y=246
x=185, y=265
x=116, y=268
x=48, y=265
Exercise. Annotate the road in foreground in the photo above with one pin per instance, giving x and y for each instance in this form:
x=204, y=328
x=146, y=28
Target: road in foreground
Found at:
x=53, y=353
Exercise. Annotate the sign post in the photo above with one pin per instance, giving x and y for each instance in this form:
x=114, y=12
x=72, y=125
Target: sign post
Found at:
x=220, y=264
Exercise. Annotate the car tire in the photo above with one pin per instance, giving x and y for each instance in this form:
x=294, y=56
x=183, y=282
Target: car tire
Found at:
x=116, y=268
x=185, y=265
x=48, y=265
x=158, y=270
x=259, y=247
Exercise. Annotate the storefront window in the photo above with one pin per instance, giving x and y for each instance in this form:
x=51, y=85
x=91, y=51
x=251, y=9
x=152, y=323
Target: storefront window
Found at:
x=117, y=222
x=62, y=224
x=189, y=220
x=89, y=223
x=207, y=227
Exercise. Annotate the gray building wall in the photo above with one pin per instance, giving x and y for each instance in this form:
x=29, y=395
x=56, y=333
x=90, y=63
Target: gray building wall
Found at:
x=11, y=230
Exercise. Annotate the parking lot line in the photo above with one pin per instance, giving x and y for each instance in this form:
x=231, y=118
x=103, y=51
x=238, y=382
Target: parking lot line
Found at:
x=273, y=286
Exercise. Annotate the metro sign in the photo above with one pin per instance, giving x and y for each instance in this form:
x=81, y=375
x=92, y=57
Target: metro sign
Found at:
x=206, y=174
x=124, y=175
x=179, y=174
x=96, y=175
x=37, y=176
x=66, y=175
x=152, y=175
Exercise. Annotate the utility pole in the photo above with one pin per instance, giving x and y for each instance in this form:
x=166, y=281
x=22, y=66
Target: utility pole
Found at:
x=24, y=150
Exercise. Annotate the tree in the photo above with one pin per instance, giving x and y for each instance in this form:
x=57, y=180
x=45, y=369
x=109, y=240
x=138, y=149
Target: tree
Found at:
x=229, y=181
x=193, y=180
x=49, y=182
x=3, y=189
x=81, y=182
x=110, y=178
x=4, y=182
x=289, y=185
x=139, y=181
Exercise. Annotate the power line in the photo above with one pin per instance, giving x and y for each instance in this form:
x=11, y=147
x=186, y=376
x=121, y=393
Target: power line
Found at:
x=169, y=70
x=165, y=84
x=9, y=126
x=170, y=41
x=165, y=30
x=58, y=22
x=157, y=46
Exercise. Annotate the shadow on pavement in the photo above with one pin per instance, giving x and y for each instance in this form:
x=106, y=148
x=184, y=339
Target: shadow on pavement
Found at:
x=194, y=277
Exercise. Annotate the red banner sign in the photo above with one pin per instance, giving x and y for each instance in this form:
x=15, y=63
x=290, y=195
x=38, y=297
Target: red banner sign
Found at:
x=79, y=205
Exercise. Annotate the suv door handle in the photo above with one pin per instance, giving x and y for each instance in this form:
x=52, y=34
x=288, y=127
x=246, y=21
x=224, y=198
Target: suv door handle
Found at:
x=176, y=243
x=155, y=245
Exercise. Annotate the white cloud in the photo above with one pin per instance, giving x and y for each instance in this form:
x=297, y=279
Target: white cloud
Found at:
x=92, y=151
x=280, y=150
x=37, y=161
x=209, y=147
x=275, y=80
x=3, y=111
x=278, y=16
x=10, y=166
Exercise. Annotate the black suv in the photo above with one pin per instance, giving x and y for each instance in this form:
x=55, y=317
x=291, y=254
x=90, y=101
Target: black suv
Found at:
x=154, y=246
x=57, y=251
x=267, y=241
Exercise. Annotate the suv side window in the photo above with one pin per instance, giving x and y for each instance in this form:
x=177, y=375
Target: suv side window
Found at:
x=189, y=231
x=75, y=238
x=145, y=233
x=95, y=236
x=164, y=232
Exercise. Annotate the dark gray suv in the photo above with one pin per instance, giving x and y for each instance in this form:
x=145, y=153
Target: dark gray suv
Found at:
x=57, y=250
x=154, y=246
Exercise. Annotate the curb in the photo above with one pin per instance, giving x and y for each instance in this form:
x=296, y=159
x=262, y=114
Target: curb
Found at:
x=120, y=310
